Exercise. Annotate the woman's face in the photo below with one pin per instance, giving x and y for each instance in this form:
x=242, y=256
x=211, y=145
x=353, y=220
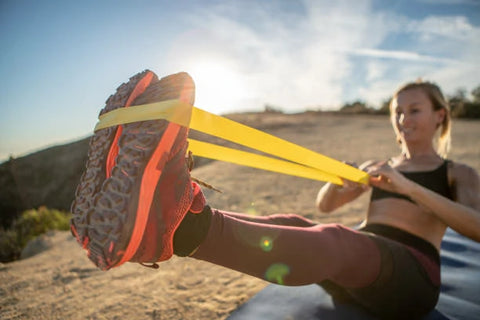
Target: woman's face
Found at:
x=413, y=117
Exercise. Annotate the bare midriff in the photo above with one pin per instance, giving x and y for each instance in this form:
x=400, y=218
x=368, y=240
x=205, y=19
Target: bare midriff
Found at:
x=407, y=216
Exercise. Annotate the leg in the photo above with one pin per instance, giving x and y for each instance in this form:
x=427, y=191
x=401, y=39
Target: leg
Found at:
x=291, y=255
x=283, y=219
x=403, y=289
x=380, y=274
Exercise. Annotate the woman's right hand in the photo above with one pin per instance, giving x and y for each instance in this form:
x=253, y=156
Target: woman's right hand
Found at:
x=349, y=185
x=332, y=196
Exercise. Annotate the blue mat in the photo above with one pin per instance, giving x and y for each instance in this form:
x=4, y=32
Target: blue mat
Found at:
x=459, y=297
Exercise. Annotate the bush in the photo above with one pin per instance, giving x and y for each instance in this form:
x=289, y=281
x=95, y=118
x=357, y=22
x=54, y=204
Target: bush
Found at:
x=10, y=249
x=472, y=110
x=357, y=107
x=31, y=224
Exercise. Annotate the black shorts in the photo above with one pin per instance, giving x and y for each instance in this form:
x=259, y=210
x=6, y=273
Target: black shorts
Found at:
x=404, y=288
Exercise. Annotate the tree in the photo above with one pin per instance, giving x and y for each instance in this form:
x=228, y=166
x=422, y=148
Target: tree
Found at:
x=356, y=107
x=476, y=94
x=385, y=107
x=462, y=107
x=457, y=102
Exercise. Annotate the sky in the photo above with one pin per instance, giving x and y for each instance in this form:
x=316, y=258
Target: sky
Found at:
x=61, y=60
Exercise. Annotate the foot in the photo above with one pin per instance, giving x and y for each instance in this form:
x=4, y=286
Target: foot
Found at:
x=136, y=188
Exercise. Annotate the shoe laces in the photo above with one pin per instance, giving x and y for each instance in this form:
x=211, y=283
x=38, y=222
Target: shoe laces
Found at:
x=190, y=165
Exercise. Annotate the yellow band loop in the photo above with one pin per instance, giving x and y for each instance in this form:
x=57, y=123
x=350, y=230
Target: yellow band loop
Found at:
x=233, y=131
x=212, y=151
x=172, y=110
x=308, y=164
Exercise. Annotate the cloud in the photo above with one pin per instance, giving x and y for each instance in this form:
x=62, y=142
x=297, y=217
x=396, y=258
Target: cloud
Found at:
x=317, y=53
x=400, y=55
x=450, y=27
x=442, y=49
x=291, y=59
x=451, y=2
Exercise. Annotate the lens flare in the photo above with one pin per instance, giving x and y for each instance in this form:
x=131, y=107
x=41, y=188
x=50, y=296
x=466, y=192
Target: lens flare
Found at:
x=277, y=272
x=266, y=243
x=251, y=209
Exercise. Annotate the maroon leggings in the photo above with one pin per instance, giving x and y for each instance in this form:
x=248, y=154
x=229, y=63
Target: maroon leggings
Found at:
x=384, y=276
x=290, y=250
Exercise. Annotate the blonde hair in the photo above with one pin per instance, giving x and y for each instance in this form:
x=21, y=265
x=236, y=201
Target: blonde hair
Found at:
x=436, y=97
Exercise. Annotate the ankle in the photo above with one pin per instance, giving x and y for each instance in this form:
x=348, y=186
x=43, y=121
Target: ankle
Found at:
x=191, y=232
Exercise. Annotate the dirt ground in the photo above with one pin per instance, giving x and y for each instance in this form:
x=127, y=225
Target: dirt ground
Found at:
x=61, y=283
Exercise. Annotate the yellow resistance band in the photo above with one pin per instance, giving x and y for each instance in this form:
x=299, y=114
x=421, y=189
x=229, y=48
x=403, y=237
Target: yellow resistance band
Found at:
x=307, y=161
x=207, y=150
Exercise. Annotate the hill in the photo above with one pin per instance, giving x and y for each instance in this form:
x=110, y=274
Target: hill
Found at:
x=44, y=178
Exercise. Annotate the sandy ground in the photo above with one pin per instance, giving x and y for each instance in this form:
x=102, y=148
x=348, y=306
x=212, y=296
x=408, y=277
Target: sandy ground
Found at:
x=61, y=283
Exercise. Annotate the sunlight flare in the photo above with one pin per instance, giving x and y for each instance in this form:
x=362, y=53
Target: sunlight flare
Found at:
x=219, y=87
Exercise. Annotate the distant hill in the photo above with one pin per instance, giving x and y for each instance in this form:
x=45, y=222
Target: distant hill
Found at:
x=48, y=177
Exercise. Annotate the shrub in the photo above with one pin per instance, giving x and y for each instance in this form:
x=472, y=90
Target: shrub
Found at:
x=272, y=109
x=472, y=110
x=29, y=225
x=357, y=107
x=10, y=249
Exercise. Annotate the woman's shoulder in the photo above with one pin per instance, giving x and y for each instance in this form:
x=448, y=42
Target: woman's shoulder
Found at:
x=461, y=171
x=466, y=183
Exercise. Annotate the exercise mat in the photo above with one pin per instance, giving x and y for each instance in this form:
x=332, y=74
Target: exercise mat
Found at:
x=459, y=296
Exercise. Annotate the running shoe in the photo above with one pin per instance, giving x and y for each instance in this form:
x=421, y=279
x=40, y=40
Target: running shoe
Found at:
x=136, y=188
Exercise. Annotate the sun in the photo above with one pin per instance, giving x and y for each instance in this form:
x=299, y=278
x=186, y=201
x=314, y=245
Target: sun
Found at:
x=219, y=88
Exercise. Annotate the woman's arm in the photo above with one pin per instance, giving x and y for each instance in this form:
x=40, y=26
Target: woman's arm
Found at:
x=332, y=196
x=462, y=215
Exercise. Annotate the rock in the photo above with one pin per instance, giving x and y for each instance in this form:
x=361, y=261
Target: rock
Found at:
x=38, y=245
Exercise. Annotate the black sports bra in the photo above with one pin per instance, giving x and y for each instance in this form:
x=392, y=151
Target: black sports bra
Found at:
x=435, y=180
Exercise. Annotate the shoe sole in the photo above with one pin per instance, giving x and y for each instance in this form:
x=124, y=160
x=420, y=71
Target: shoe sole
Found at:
x=101, y=151
x=114, y=197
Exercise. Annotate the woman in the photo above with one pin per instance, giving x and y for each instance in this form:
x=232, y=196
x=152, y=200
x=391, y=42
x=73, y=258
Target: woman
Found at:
x=417, y=194
x=390, y=266
x=415, y=197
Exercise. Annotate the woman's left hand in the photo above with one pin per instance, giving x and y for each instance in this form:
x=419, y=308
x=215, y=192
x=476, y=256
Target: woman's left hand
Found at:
x=385, y=177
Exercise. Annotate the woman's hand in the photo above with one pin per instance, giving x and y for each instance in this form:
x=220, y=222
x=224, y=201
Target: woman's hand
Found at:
x=385, y=177
x=332, y=196
x=349, y=185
